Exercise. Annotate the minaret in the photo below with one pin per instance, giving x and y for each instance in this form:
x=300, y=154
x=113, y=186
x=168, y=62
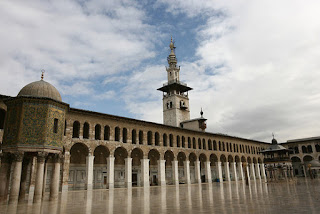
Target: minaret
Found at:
x=175, y=93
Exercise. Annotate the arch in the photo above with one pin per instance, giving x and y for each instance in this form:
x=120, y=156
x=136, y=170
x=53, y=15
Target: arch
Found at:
x=209, y=144
x=106, y=135
x=194, y=143
x=140, y=137
x=78, y=153
x=157, y=139
x=214, y=145
x=149, y=137
x=76, y=129
x=136, y=155
x=178, y=141
x=199, y=143
x=134, y=136
x=181, y=157
x=243, y=159
x=100, y=155
x=223, y=158
x=117, y=133
x=249, y=160
x=97, y=132
x=171, y=140
x=304, y=149
x=213, y=159
x=296, y=150
x=120, y=154
x=165, y=143
x=237, y=159
x=230, y=158
x=254, y=160
x=124, y=135
x=169, y=157
x=309, y=149
x=192, y=158
x=317, y=148
x=154, y=156
x=86, y=129
x=189, y=142
x=296, y=159
x=307, y=158
x=204, y=144
x=183, y=142
x=2, y=118
x=259, y=160
x=202, y=158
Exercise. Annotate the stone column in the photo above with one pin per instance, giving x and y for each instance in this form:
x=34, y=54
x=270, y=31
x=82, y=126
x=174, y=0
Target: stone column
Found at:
x=248, y=172
x=304, y=170
x=208, y=172
x=197, y=171
x=22, y=193
x=16, y=177
x=162, y=172
x=258, y=171
x=227, y=171
x=32, y=176
x=89, y=171
x=234, y=170
x=218, y=166
x=253, y=171
x=128, y=172
x=4, y=176
x=241, y=171
x=55, y=178
x=65, y=172
x=110, y=171
x=39, y=176
x=145, y=172
x=45, y=177
x=175, y=172
x=187, y=171
x=263, y=172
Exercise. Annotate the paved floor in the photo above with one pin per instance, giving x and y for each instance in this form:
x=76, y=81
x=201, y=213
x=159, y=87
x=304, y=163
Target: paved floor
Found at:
x=302, y=196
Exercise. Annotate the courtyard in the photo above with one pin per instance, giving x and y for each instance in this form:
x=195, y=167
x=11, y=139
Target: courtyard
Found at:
x=299, y=196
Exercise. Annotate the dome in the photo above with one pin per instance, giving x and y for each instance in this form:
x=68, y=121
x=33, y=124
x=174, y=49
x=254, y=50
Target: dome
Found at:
x=40, y=88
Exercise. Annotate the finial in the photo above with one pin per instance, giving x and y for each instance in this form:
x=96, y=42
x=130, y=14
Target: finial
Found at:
x=171, y=38
x=42, y=73
x=272, y=135
x=172, y=45
x=201, y=112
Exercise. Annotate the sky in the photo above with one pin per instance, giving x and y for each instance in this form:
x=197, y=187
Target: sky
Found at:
x=254, y=66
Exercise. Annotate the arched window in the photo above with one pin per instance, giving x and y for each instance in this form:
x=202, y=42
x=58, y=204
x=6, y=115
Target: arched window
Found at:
x=220, y=149
x=291, y=150
x=237, y=148
x=204, y=144
x=296, y=150
x=178, y=141
x=227, y=145
x=304, y=149
x=106, y=133
x=183, y=142
x=189, y=142
x=97, y=132
x=165, y=140
x=140, y=137
x=124, y=135
x=75, y=129
x=117, y=134
x=2, y=117
x=171, y=140
x=318, y=148
x=240, y=149
x=86, y=128
x=223, y=147
x=149, y=138
x=194, y=143
x=309, y=148
x=199, y=144
x=134, y=136
x=214, y=145
x=209, y=144
x=156, y=139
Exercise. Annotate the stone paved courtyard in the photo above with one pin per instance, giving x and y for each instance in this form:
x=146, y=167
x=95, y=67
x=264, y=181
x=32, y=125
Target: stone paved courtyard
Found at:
x=302, y=196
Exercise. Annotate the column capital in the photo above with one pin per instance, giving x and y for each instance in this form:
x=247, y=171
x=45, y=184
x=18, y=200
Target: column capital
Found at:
x=41, y=157
x=57, y=157
x=18, y=156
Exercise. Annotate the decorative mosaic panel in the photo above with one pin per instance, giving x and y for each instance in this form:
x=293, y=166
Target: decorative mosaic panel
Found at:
x=54, y=139
x=13, y=119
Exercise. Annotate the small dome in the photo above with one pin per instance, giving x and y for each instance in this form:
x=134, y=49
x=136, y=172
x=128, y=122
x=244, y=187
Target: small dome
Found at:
x=40, y=89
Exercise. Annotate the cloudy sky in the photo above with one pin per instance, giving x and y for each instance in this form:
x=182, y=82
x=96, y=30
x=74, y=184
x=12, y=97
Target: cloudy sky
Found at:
x=254, y=65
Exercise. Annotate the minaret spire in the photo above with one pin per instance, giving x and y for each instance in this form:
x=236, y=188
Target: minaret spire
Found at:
x=42, y=74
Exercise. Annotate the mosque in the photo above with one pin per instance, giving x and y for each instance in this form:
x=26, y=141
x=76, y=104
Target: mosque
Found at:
x=49, y=147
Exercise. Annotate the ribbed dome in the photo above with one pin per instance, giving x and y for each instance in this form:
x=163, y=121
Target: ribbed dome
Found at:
x=40, y=89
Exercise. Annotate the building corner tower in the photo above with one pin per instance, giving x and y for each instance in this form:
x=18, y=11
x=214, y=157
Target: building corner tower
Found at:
x=175, y=94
